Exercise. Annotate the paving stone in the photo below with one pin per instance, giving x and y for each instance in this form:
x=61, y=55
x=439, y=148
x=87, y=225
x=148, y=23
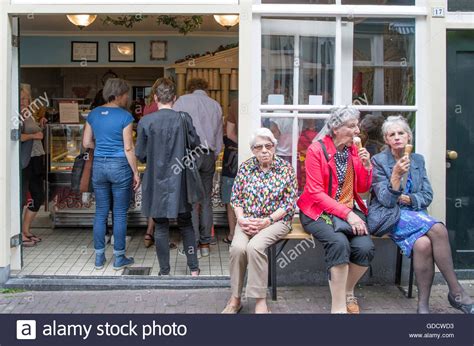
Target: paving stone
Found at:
x=372, y=299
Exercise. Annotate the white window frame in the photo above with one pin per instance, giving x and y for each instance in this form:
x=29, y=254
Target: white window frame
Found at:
x=419, y=12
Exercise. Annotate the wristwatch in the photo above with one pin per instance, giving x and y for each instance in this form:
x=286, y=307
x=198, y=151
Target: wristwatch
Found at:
x=271, y=220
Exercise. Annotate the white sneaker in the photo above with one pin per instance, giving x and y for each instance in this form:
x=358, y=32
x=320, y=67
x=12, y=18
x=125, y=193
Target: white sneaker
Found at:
x=181, y=252
x=205, y=251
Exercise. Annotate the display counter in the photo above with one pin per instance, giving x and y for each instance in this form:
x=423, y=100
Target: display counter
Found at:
x=73, y=209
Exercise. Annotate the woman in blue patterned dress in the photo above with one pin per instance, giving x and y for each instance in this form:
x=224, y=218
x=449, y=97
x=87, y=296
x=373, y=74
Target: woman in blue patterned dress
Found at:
x=401, y=179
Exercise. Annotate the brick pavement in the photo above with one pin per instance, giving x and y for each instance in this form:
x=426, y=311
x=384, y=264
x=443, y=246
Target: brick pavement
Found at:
x=372, y=299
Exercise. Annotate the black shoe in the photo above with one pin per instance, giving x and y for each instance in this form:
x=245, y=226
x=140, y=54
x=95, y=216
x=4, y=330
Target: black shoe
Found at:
x=466, y=308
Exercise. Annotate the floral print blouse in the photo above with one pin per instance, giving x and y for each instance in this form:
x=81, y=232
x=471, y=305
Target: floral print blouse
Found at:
x=261, y=193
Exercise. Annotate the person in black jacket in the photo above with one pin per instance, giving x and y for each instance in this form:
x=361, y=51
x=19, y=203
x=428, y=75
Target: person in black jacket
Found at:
x=161, y=144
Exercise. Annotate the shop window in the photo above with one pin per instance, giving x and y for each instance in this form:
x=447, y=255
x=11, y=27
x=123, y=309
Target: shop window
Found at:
x=298, y=69
x=298, y=52
x=277, y=69
x=380, y=2
x=316, y=70
x=461, y=5
x=384, y=62
x=311, y=2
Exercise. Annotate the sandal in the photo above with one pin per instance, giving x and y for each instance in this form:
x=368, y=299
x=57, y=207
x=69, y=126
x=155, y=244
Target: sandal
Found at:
x=227, y=240
x=149, y=241
x=232, y=309
x=28, y=242
x=34, y=238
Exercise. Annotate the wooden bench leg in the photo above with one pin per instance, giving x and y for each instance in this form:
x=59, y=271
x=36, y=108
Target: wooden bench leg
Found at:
x=398, y=269
x=398, y=276
x=410, y=280
x=270, y=259
x=272, y=271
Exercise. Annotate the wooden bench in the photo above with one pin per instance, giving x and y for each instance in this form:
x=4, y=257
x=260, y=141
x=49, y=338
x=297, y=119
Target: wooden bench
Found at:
x=298, y=233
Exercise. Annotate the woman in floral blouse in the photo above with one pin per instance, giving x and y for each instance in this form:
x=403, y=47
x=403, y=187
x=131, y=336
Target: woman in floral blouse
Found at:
x=264, y=200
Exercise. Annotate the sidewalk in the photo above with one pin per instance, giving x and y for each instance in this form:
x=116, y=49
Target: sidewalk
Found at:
x=372, y=299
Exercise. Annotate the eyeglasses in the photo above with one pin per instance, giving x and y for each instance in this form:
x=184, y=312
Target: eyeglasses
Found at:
x=267, y=146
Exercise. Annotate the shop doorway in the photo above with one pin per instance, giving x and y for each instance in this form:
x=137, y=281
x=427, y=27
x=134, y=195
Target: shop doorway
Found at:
x=459, y=165
x=53, y=67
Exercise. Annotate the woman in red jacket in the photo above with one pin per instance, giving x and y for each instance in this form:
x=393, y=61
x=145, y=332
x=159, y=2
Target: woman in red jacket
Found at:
x=333, y=155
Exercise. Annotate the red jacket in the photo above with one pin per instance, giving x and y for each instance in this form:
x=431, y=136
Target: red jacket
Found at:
x=315, y=200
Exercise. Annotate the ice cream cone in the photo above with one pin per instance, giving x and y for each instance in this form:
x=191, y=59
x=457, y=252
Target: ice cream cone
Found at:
x=408, y=149
x=357, y=141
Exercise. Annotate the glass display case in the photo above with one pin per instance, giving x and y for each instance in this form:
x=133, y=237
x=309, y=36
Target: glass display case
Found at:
x=69, y=208
x=64, y=144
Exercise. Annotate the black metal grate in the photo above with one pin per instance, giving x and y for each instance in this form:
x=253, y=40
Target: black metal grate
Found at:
x=137, y=271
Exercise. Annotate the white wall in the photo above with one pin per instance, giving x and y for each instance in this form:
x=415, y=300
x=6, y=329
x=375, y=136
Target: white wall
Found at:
x=5, y=142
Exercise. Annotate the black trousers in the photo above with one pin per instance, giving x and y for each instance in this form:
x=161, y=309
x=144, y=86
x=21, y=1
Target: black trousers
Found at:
x=33, y=181
x=162, y=242
x=339, y=248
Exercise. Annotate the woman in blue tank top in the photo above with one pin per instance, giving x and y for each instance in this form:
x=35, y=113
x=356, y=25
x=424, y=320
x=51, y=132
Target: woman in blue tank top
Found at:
x=109, y=131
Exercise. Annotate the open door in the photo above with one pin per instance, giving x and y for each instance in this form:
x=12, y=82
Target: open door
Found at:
x=15, y=191
x=460, y=138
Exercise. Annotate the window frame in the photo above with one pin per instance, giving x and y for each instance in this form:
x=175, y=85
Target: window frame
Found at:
x=419, y=12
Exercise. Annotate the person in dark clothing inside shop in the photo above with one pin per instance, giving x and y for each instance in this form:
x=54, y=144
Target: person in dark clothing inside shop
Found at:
x=161, y=144
x=32, y=158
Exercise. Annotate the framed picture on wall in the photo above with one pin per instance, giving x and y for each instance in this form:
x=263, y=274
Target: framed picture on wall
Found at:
x=121, y=51
x=84, y=51
x=158, y=50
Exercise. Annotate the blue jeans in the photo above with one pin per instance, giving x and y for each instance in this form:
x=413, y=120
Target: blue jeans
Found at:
x=112, y=182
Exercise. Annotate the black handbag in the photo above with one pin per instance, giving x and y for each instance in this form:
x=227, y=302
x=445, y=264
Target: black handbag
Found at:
x=339, y=224
x=82, y=172
x=194, y=187
x=382, y=220
x=230, y=160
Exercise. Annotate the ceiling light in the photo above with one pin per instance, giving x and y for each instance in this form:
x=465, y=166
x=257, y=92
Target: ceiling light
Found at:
x=81, y=20
x=227, y=20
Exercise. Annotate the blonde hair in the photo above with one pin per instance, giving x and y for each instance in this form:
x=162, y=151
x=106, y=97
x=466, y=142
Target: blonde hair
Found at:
x=151, y=98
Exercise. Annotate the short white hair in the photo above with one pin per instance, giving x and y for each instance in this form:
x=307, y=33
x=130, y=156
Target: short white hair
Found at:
x=262, y=132
x=397, y=120
x=338, y=118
